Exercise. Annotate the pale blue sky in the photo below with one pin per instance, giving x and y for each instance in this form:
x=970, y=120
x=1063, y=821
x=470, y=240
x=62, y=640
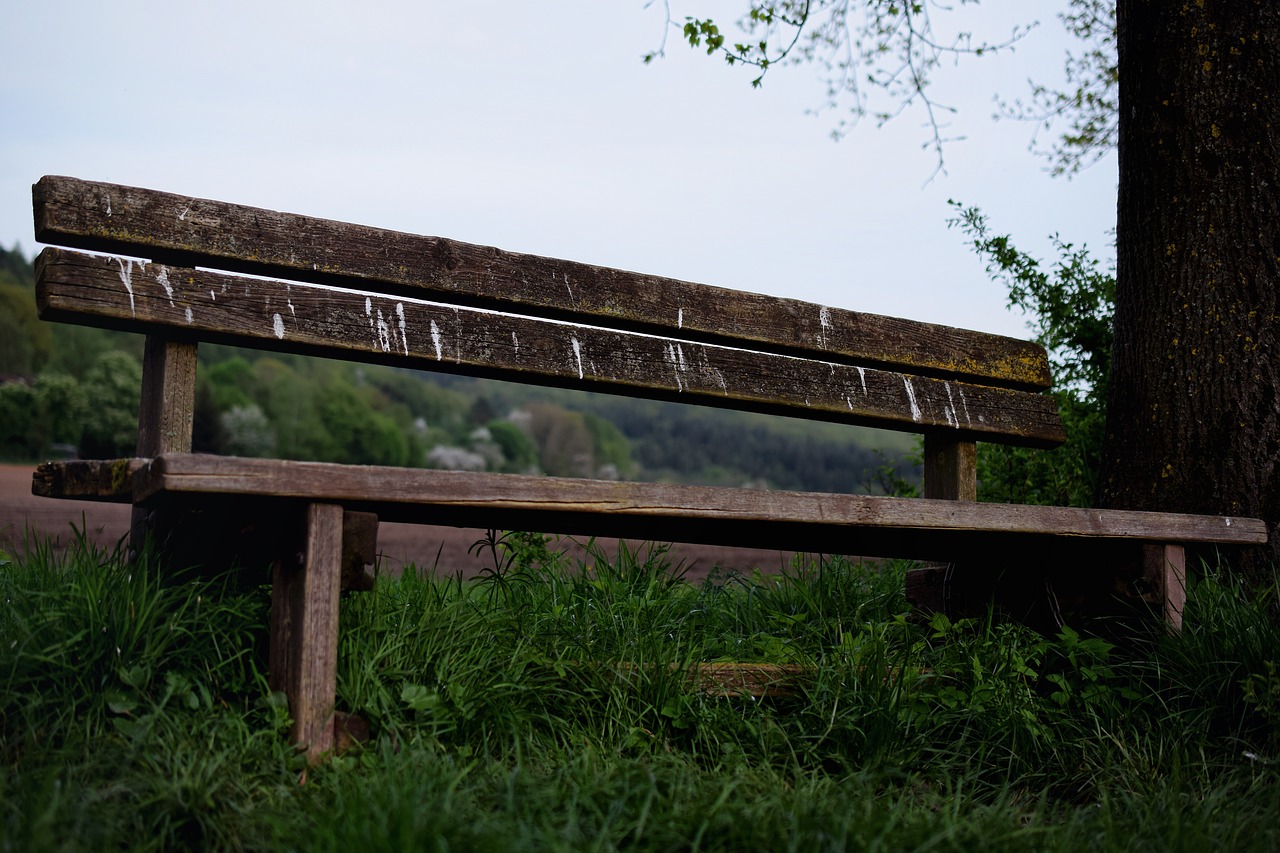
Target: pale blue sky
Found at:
x=535, y=127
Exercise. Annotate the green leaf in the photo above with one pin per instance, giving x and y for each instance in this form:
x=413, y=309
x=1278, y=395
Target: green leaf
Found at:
x=121, y=703
x=136, y=676
x=419, y=698
x=127, y=727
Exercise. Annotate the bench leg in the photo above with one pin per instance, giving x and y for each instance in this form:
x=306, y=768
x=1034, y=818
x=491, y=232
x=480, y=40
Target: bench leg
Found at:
x=1164, y=567
x=951, y=474
x=304, y=629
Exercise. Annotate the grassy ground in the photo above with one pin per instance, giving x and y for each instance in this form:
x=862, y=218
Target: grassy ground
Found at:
x=544, y=707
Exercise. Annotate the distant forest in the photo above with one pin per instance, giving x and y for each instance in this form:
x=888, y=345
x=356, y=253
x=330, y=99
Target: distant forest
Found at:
x=72, y=390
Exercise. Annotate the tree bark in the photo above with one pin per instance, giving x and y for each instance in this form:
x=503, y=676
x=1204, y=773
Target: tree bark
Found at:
x=1193, y=420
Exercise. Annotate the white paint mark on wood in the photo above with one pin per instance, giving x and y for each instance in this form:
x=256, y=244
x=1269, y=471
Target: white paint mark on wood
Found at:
x=824, y=321
x=384, y=332
x=404, y=337
x=862, y=376
x=126, y=272
x=213, y=296
x=573, y=299
x=108, y=204
x=911, y=398
x=1228, y=522
x=163, y=278
x=577, y=353
x=680, y=318
x=435, y=339
x=965, y=404
x=190, y=318
x=950, y=410
x=675, y=366
x=182, y=217
x=278, y=322
x=373, y=327
x=515, y=342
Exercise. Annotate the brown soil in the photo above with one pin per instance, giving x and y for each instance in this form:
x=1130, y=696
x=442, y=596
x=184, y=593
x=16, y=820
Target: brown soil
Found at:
x=444, y=549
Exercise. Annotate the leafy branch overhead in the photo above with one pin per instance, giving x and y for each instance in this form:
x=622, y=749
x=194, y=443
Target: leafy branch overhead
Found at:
x=1072, y=306
x=879, y=58
x=1089, y=105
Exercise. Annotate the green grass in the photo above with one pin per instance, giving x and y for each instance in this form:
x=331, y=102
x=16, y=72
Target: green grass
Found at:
x=545, y=707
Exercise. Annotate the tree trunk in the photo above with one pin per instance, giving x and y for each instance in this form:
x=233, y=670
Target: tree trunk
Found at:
x=1193, y=419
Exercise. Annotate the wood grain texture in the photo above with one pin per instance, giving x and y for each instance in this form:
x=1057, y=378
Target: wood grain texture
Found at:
x=950, y=468
x=838, y=524
x=303, y=653
x=87, y=479
x=168, y=396
x=1164, y=568
x=927, y=588
x=165, y=417
x=197, y=304
x=189, y=231
x=720, y=679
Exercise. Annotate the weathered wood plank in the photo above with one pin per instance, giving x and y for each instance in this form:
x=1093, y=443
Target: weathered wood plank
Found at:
x=950, y=468
x=759, y=680
x=1164, y=568
x=200, y=232
x=168, y=396
x=87, y=479
x=725, y=679
x=303, y=656
x=838, y=524
x=317, y=320
x=166, y=415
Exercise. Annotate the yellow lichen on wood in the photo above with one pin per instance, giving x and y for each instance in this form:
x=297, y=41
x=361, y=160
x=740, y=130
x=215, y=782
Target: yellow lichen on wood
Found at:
x=120, y=473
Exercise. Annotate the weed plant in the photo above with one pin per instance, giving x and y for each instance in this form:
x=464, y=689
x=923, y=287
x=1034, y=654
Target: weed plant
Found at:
x=546, y=705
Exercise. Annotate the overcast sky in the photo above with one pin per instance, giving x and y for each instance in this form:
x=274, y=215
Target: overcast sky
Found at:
x=535, y=127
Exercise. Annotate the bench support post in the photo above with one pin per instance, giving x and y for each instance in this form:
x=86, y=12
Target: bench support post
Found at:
x=1164, y=568
x=950, y=469
x=168, y=397
x=165, y=417
x=303, y=657
x=950, y=474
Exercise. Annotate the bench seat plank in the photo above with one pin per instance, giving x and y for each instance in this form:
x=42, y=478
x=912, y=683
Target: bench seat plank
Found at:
x=107, y=480
x=311, y=319
x=829, y=523
x=196, y=232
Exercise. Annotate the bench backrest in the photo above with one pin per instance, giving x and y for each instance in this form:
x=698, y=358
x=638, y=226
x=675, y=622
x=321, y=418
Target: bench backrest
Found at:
x=241, y=275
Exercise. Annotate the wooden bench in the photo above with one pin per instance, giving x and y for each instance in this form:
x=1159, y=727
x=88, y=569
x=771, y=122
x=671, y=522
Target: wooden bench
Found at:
x=183, y=270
